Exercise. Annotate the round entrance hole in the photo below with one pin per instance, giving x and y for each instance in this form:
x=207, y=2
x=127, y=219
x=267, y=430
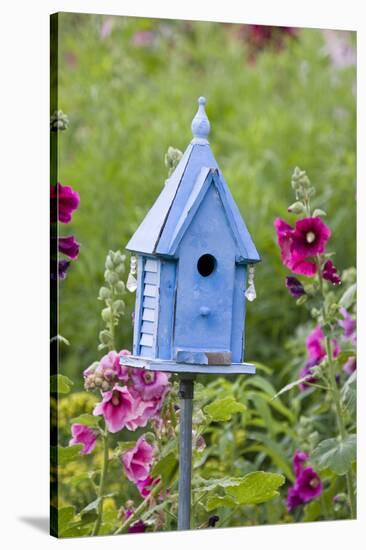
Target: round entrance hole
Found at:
x=206, y=264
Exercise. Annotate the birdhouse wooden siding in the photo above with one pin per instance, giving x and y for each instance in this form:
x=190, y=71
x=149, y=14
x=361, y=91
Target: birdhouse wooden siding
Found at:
x=193, y=250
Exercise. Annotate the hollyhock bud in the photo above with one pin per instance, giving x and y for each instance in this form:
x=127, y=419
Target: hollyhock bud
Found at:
x=298, y=461
x=59, y=269
x=138, y=460
x=294, y=287
x=69, y=246
x=84, y=435
x=117, y=408
x=330, y=273
x=296, y=208
x=65, y=201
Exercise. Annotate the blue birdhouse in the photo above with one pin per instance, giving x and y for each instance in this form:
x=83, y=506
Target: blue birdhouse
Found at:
x=193, y=254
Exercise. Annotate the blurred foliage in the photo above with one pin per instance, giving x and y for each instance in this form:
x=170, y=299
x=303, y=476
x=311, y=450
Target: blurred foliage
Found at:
x=129, y=87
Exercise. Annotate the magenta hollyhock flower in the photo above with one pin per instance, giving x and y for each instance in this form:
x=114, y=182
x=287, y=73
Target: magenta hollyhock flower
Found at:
x=308, y=484
x=137, y=527
x=290, y=257
x=149, y=384
x=350, y=365
x=110, y=366
x=294, y=287
x=145, y=485
x=84, y=435
x=330, y=274
x=293, y=499
x=310, y=237
x=69, y=246
x=298, y=461
x=349, y=325
x=117, y=407
x=138, y=460
x=315, y=345
x=64, y=200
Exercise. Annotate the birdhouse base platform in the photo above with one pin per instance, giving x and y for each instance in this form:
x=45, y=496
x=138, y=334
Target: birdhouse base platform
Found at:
x=184, y=368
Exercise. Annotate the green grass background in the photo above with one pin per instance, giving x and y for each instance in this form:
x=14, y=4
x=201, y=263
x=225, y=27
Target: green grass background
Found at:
x=127, y=103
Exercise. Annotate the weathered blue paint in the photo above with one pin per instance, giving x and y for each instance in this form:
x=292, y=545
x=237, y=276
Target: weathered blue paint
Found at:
x=190, y=313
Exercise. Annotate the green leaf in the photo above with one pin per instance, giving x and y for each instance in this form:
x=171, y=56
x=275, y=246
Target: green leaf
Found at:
x=348, y=297
x=65, y=515
x=312, y=511
x=223, y=409
x=60, y=384
x=349, y=393
x=166, y=468
x=261, y=383
x=219, y=502
x=291, y=385
x=68, y=454
x=256, y=487
x=86, y=420
x=90, y=512
x=335, y=454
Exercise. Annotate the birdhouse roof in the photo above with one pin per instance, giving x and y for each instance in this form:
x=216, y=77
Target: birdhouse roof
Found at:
x=171, y=214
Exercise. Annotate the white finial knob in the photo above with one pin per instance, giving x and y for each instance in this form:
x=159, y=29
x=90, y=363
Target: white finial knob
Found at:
x=200, y=124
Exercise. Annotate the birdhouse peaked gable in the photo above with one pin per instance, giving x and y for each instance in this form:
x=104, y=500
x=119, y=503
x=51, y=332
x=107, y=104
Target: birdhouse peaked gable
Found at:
x=172, y=213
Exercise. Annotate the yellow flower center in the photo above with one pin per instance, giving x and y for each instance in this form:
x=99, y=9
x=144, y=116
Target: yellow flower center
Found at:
x=310, y=237
x=115, y=398
x=314, y=482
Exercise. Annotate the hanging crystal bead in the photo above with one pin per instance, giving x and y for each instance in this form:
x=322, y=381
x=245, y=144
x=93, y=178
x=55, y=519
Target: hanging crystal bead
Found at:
x=131, y=284
x=250, y=292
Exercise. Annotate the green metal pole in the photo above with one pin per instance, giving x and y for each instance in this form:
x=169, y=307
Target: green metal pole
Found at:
x=185, y=453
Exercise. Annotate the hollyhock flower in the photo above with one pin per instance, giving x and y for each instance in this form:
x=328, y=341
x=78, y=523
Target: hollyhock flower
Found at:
x=84, y=435
x=310, y=237
x=290, y=257
x=143, y=411
x=145, y=485
x=294, y=287
x=349, y=325
x=293, y=499
x=138, y=460
x=137, y=527
x=64, y=200
x=59, y=269
x=69, y=246
x=111, y=368
x=143, y=38
x=330, y=273
x=308, y=484
x=350, y=365
x=117, y=407
x=149, y=384
x=299, y=458
x=315, y=345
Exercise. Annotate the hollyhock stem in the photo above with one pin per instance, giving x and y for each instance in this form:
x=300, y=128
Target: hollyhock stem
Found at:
x=336, y=395
x=102, y=485
x=137, y=513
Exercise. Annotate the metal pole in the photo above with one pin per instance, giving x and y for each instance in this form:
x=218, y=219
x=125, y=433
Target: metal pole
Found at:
x=185, y=453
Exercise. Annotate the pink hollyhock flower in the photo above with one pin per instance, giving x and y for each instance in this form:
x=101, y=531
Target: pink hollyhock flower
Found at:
x=143, y=411
x=138, y=460
x=117, y=407
x=110, y=366
x=145, y=485
x=143, y=38
x=64, y=200
x=310, y=237
x=149, y=384
x=306, y=371
x=330, y=273
x=84, y=435
x=349, y=325
x=69, y=246
x=293, y=499
x=290, y=257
